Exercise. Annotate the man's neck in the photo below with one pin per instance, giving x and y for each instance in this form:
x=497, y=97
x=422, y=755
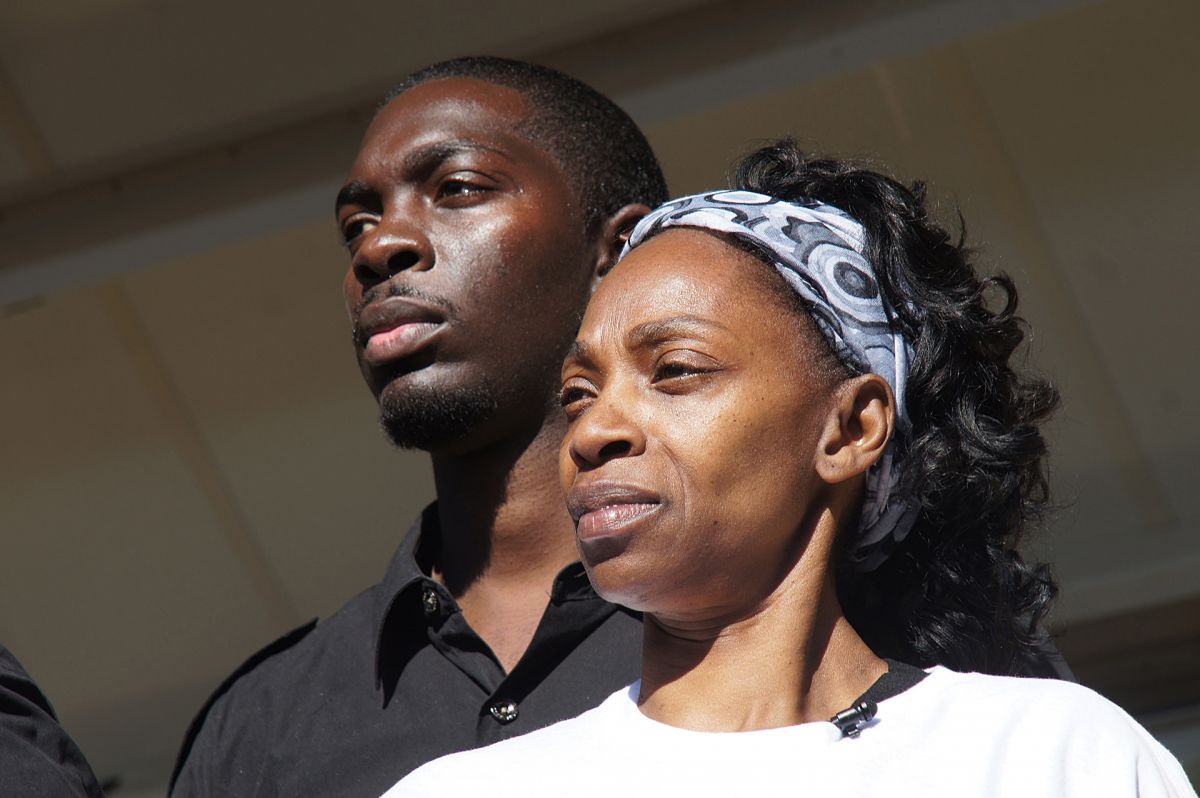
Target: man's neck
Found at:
x=505, y=535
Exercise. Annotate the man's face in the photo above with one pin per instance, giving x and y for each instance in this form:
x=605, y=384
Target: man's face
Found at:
x=469, y=265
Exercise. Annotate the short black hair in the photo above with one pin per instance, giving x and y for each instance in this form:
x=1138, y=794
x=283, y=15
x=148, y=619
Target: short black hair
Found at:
x=955, y=591
x=599, y=146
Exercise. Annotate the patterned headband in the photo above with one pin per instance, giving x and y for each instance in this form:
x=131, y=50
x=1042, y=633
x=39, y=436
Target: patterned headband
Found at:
x=819, y=251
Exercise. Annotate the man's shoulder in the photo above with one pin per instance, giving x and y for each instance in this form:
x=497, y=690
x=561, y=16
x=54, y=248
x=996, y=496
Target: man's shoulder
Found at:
x=252, y=670
x=266, y=682
x=291, y=657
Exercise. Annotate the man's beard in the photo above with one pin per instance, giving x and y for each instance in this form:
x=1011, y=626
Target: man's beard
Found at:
x=427, y=418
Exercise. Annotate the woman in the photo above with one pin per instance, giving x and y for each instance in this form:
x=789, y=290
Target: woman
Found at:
x=796, y=444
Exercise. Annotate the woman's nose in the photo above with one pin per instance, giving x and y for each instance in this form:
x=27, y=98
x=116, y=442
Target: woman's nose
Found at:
x=396, y=244
x=605, y=432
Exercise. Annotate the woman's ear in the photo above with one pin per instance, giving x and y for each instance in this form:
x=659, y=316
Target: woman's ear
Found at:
x=861, y=420
x=611, y=238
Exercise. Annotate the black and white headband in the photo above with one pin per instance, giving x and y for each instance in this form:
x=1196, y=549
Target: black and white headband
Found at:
x=819, y=250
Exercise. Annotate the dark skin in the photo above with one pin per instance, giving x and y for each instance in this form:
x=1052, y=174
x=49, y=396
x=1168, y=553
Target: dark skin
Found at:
x=712, y=461
x=470, y=262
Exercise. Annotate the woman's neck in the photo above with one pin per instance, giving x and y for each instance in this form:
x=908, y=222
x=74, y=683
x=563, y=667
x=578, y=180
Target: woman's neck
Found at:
x=795, y=659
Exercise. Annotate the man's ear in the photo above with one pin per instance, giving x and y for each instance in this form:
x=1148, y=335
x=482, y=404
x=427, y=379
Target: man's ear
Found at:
x=861, y=420
x=611, y=238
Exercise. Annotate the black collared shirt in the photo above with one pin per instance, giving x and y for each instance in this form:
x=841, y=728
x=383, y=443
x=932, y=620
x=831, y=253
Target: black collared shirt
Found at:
x=395, y=679
x=37, y=757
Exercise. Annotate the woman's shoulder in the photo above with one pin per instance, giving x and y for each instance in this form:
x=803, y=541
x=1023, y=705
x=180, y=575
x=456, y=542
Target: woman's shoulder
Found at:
x=1029, y=719
x=1046, y=697
x=1053, y=703
x=531, y=764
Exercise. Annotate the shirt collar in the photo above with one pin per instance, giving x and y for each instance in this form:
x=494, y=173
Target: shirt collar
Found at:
x=405, y=569
x=401, y=625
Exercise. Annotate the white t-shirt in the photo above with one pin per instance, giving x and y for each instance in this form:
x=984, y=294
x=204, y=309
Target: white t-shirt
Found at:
x=954, y=734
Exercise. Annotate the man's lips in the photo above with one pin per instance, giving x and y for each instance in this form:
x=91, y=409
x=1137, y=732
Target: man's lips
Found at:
x=608, y=508
x=395, y=328
x=398, y=342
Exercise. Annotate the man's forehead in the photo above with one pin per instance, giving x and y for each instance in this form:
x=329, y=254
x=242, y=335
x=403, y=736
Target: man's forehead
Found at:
x=458, y=104
x=448, y=116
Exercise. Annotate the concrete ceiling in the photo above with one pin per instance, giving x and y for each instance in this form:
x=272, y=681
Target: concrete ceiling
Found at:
x=178, y=487
x=91, y=84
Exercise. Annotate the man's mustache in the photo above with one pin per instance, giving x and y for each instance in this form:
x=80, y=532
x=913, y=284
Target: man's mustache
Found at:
x=389, y=288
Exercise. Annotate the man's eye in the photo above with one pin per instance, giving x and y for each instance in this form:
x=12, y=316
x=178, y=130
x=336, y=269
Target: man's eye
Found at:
x=457, y=187
x=355, y=226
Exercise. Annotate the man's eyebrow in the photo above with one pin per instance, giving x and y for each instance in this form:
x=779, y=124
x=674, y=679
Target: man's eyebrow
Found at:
x=432, y=154
x=654, y=332
x=356, y=192
x=422, y=159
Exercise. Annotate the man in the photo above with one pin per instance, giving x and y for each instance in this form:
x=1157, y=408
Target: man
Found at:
x=37, y=757
x=488, y=198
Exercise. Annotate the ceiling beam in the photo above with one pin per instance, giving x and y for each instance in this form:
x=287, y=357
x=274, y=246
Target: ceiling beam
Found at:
x=679, y=64
x=20, y=128
x=190, y=443
x=1095, y=383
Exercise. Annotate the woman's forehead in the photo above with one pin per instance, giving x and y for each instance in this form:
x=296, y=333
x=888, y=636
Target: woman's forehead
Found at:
x=678, y=270
x=686, y=284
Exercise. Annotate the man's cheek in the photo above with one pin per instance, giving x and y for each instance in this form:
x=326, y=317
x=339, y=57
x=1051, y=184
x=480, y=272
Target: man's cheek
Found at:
x=351, y=294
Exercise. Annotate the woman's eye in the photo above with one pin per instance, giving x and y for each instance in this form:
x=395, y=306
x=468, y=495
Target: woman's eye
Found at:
x=573, y=398
x=678, y=370
x=671, y=370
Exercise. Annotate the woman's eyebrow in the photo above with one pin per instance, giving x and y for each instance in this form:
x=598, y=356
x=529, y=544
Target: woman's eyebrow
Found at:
x=676, y=327
x=579, y=353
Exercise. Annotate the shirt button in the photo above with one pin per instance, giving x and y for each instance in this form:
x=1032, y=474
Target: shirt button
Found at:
x=430, y=601
x=504, y=711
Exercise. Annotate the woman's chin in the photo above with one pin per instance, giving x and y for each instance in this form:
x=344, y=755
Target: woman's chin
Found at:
x=621, y=582
x=595, y=552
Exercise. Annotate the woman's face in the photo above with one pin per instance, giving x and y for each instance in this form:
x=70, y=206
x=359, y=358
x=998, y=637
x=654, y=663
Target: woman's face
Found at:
x=696, y=405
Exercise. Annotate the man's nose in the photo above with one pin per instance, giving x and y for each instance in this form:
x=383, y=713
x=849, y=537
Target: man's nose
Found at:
x=606, y=431
x=393, y=246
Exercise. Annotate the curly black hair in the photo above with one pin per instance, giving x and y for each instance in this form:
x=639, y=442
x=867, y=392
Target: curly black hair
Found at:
x=955, y=592
x=601, y=149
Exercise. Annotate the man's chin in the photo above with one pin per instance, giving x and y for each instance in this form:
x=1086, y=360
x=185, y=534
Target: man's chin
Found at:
x=427, y=417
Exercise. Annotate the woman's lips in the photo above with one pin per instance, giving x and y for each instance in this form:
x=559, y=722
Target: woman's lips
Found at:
x=398, y=342
x=605, y=508
x=612, y=519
